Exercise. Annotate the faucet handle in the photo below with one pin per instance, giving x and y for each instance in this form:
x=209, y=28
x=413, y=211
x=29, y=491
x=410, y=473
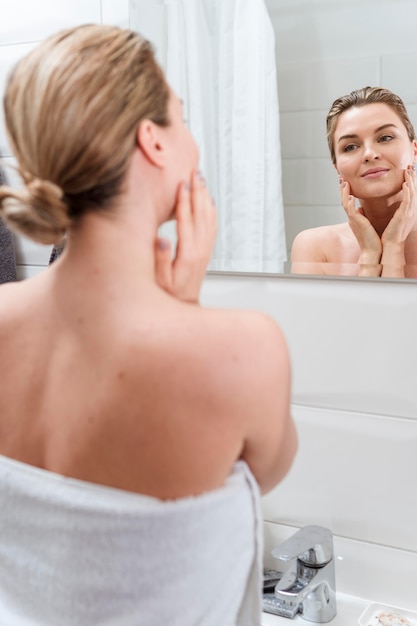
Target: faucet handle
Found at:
x=312, y=545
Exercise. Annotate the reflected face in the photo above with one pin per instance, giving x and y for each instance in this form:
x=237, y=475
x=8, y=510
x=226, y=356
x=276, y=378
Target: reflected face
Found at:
x=372, y=150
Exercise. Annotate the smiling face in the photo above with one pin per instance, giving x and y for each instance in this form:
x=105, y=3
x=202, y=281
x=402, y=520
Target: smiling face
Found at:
x=372, y=150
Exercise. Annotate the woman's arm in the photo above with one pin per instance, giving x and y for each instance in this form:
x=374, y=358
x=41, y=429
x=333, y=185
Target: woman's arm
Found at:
x=262, y=384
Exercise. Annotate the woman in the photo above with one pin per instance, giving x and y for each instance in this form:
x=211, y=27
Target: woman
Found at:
x=136, y=426
x=373, y=148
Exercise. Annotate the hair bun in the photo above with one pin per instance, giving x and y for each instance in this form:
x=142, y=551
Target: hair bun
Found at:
x=38, y=211
x=46, y=198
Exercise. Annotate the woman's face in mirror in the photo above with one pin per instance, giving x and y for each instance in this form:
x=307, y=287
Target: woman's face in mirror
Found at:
x=372, y=150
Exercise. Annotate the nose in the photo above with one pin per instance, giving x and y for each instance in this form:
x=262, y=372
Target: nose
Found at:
x=370, y=153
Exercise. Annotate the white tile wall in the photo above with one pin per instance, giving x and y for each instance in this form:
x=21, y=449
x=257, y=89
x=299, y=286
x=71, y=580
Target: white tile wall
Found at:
x=22, y=25
x=324, y=50
x=353, y=349
x=352, y=475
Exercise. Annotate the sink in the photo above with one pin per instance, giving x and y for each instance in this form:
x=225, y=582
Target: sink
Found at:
x=365, y=574
x=349, y=609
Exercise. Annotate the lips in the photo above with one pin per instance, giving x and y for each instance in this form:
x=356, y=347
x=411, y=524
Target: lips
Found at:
x=375, y=172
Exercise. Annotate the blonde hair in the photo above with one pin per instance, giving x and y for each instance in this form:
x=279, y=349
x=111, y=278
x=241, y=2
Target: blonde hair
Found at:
x=361, y=97
x=72, y=107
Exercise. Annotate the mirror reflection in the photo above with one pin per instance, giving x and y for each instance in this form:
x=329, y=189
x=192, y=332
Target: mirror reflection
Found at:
x=324, y=50
x=321, y=50
x=373, y=149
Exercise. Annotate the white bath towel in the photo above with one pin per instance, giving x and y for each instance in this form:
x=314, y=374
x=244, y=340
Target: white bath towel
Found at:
x=74, y=553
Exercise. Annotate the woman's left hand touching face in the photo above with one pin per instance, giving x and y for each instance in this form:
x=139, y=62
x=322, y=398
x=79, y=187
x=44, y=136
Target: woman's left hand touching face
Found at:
x=195, y=213
x=405, y=217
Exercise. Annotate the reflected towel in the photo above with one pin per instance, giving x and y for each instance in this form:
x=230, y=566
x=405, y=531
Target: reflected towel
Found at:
x=57, y=250
x=7, y=250
x=74, y=553
x=7, y=255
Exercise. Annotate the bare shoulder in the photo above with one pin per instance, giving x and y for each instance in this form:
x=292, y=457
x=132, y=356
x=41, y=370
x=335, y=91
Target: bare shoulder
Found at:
x=217, y=349
x=247, y=368
x=313, y=244
x=11, y=297
x=247, y=341
x=18, y=298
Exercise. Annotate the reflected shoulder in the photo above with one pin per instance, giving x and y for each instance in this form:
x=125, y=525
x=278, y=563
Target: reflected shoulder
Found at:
x=313, y=244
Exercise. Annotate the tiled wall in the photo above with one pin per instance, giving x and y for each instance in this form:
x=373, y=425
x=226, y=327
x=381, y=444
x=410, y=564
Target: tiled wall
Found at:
x=324, y=50
x=24, y=23
x=353, y=348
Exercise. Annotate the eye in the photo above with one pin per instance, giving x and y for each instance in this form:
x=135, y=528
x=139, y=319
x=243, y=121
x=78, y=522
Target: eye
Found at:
x=385, y=138
x=349, y=147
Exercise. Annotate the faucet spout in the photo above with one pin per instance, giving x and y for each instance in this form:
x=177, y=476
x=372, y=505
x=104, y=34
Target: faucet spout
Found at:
x=308, y=585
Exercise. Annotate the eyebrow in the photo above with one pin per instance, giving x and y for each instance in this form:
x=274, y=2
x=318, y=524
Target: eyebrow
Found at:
x=377, y=130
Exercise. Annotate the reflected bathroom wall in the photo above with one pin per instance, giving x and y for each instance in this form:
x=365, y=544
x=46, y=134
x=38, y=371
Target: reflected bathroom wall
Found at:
x=324, y=49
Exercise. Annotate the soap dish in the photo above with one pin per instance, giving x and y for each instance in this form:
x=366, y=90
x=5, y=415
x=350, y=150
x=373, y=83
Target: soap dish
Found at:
x=384, y=615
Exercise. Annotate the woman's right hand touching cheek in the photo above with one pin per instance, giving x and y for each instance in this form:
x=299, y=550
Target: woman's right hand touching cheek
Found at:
x=195, y=213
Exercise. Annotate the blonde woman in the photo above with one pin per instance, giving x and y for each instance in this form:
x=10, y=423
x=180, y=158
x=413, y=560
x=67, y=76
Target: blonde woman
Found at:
x=137, y=427
x=373, y=148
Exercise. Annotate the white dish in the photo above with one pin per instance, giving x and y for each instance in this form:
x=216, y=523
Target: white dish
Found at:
x=384, y=615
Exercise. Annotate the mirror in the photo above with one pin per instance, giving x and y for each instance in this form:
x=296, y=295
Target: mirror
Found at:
x=323, y=49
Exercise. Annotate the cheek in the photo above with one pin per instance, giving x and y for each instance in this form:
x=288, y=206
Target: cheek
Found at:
x=346, y=168
x=406, y=159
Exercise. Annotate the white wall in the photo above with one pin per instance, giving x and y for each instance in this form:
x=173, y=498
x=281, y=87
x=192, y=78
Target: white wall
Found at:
x=23, y=23
x=353, y=347
x=325, y=49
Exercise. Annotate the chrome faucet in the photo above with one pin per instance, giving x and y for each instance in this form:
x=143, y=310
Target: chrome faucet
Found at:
x=308, y=584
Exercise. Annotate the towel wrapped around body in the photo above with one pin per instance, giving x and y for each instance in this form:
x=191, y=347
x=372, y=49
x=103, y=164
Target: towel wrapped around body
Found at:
x=73, y=553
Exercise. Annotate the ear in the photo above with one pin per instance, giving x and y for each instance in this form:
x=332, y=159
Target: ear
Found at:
x=150, y=140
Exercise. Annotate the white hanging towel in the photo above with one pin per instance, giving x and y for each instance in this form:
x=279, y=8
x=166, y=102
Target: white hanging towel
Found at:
x=73, y=553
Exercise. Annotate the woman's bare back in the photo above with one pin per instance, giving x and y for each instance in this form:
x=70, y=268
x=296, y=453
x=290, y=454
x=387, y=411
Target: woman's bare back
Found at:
x=146, y=398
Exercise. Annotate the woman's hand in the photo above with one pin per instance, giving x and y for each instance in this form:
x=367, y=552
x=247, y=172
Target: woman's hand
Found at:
x=405, y=216
x=368, y=239
x=182, y=276
x=399, y=227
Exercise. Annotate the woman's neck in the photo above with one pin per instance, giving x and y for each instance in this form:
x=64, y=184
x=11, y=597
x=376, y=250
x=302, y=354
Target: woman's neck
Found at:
x=379, y=211
x=112, y=250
